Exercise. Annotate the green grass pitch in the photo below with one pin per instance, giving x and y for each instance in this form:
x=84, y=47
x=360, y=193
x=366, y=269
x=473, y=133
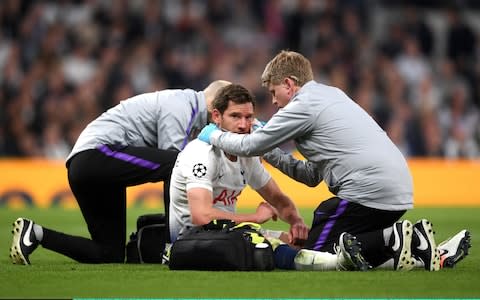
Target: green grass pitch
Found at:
x=54, y=276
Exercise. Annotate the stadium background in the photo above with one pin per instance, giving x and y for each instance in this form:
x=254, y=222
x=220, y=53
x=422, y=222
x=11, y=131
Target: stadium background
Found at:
x=413, y=65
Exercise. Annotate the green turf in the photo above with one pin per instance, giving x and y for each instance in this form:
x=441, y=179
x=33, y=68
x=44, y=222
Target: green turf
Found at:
x=54, y=276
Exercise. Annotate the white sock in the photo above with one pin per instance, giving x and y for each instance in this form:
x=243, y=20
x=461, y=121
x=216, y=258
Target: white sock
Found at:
x=325, y=261
x=309, y=260
x=388, y=265
x=38, y=230
x=387, y=233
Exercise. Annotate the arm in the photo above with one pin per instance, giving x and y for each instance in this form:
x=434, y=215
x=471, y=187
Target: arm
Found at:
x=300, y=170
x=287, y=211
x=295, y=120
x=177, y=112
x=202, y=210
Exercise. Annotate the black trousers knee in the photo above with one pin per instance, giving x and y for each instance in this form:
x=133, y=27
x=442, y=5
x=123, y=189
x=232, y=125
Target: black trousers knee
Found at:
x=335, y=216
x=98, y=179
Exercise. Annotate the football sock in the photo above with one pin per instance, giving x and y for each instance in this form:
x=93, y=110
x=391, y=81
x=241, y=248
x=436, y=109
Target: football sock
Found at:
x=284, y=256
x=373, y=247
x=38, y=231
x=387, y=233
x=78, y=248
x=388, y=265
x=325, y=261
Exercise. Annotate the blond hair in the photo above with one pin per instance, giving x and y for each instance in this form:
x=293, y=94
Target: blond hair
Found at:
x=287, y=64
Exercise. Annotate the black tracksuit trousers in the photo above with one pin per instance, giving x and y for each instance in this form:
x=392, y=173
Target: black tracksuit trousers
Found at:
x=98, y=179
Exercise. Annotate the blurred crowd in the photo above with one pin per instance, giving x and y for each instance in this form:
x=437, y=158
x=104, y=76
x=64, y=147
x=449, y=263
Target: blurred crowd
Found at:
x=414, y=68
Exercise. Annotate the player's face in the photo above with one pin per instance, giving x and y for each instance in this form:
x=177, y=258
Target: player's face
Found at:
x=282, y=93
x=236, y=118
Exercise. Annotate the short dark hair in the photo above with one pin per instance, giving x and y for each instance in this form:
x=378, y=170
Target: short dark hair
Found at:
x=232, y=92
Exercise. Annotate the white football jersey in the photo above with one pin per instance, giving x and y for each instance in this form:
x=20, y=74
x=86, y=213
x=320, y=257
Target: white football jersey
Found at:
x=201, y=165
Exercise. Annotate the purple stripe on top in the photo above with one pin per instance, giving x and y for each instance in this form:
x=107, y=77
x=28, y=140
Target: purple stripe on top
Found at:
x=190, y=124
x=328, y=226
x=128, y=158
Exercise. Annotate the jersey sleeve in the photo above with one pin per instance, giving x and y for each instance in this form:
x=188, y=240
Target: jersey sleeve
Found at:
x=256, y=174
x=301, y=170
x=198, y=165
x=172, y=127
x=292, y=121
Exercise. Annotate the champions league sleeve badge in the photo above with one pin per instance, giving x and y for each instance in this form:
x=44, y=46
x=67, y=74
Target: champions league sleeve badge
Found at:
x=199, y=170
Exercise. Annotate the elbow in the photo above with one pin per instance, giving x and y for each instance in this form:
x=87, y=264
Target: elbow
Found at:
x=311, y=183
x=200, y=219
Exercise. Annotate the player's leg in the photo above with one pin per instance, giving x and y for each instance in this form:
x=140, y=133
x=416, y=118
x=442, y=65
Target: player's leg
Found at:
x=104, y=212
x=415, y=241
x=138, y=165
x=344, y=253
x=120, y=167
x=166, y=204
x=288, y=257
x=348, y=257
x=103, y=207
x=102, y=202
x=398, y=239
x=336, y=216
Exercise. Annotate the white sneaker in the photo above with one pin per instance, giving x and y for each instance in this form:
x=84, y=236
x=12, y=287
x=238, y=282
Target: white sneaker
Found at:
x=454, y=249
x=348, y=253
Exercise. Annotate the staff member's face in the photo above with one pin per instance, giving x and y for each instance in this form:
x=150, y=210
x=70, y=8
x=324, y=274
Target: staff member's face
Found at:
x=236, y=118
x=282, y=93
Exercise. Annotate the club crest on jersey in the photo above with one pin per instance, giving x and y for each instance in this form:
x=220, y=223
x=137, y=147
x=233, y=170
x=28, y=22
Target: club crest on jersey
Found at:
x=199, y=170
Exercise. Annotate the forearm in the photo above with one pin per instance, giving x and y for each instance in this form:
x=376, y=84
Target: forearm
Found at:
x=241, y=144
x=207, y=215
x=299, y=170
x=287, y=211
x=284, y=206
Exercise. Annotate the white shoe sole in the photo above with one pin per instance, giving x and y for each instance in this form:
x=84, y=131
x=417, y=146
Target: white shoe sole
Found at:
x=16, y=254
x=434, y=254
x=349, y=256
x=405, y=261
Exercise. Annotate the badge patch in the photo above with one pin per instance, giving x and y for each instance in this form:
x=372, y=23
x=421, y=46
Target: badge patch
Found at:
x=199, y=170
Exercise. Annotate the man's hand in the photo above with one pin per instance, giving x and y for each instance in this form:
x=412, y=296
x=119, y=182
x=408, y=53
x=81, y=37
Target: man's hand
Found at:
x=207, y=132
x=265, y=212
x=256, y=124
x=298, y=233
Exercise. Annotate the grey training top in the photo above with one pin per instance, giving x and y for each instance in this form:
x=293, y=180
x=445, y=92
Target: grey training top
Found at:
x=343, y=146
x=166, y=119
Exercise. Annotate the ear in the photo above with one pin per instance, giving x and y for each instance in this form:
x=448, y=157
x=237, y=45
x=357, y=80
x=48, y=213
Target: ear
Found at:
x=289, y=83
x=216, y=116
